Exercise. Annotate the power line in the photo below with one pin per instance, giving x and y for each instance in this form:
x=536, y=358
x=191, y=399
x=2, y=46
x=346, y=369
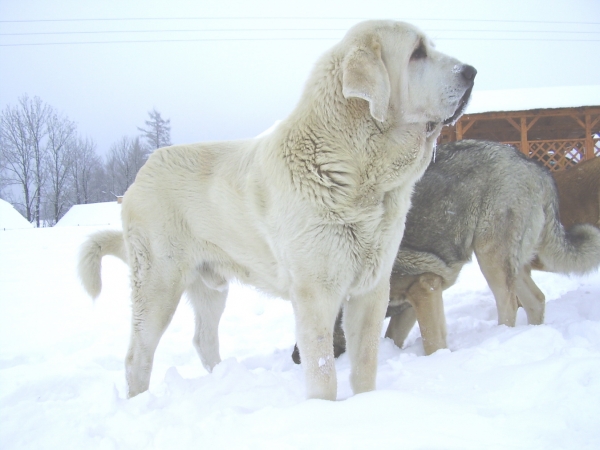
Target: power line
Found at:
x=172, y=31
x=211, y=30
x=168, y=40
x=269, y=30
x=276, y=39
x=107, y=19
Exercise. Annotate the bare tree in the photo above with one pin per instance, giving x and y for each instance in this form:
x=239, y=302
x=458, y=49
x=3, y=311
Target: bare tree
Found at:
x=126, y=157
x=23, y=130
x=85, y=165
x=157, y=132
x=17, y=155
x=59, y=157
x=54, y=168
x=35, y=113
x=4, y=172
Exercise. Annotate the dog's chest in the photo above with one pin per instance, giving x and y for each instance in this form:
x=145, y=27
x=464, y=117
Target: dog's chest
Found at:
x=374, y=244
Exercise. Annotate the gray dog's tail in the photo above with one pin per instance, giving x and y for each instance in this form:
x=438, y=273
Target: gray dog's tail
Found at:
x=99, y=244
x=576, y=250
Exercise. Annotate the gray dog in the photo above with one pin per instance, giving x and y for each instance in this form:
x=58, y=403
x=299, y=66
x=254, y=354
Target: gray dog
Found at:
x=486, y=198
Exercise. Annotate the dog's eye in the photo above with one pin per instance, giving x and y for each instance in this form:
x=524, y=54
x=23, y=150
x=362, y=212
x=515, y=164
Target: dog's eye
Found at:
x=419, y=53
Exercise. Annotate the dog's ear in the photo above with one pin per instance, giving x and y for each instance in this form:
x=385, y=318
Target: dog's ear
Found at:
x=364, y=76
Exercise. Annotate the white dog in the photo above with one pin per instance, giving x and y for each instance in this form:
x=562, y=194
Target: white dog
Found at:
x=313, y=212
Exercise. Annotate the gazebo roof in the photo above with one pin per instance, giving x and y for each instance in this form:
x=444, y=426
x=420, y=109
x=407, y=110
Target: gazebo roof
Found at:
x=534, y=98
x=558, y=126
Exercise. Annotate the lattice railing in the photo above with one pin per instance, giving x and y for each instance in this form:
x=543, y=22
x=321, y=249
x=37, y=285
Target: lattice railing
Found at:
x=558, y=154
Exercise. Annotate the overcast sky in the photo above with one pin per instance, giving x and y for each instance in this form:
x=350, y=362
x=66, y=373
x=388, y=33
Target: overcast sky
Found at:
x=230, y=69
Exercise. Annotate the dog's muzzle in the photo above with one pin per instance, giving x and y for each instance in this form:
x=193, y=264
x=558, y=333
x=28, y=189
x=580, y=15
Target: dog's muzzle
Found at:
x=468, y=73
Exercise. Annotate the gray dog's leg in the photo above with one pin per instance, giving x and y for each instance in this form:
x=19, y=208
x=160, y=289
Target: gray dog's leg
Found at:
x=425, y=295
x=400, y=325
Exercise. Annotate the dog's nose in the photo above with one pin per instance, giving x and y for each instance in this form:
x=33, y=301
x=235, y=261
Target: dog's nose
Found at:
x=469, y=72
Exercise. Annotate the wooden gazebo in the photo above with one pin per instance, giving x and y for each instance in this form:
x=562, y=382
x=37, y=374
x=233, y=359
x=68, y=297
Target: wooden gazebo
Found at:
x=557, y=126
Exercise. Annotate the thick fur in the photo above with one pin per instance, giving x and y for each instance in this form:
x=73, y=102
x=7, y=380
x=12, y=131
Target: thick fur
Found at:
x=313, y=212
x=489, y=199
x=486, y=198
x=91, y=253
x=579, y=197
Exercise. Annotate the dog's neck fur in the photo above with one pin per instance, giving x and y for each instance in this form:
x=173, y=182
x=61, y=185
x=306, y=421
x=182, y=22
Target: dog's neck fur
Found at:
x=359, y=170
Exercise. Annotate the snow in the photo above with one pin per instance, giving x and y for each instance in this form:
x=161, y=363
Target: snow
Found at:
x=534, y=98
x=62, y=381
x=10, y=218
x=107, y=213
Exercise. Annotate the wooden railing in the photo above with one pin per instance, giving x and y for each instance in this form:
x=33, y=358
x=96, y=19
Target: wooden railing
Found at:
x=558, y=154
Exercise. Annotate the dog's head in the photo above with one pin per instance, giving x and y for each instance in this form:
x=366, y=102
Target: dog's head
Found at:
x=394, y=67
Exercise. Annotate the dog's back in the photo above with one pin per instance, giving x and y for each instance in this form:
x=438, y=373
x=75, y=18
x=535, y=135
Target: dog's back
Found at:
x=478, y=195
x=488, y=198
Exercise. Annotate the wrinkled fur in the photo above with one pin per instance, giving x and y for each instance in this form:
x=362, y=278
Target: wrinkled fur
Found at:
x=313, y=212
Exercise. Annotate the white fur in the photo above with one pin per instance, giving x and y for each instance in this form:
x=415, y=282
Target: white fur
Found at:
x=313, y=212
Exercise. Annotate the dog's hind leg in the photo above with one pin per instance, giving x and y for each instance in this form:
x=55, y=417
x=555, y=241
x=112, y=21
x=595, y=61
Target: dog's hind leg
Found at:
x=425, y=295
x=208, y=305
x=531, y=299
x=155, y=293
x=363, y=320
x=501, y=280
x=153, y=306
x=400, y=325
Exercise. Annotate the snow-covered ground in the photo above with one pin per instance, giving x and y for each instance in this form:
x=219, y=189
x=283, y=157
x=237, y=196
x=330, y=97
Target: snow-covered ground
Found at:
x=62, y=383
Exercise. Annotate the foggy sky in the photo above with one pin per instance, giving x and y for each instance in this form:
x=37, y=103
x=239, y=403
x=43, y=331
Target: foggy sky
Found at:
x=236, y=82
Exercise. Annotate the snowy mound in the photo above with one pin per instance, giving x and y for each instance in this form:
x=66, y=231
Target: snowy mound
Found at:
x=10, y=218
x=108, y=213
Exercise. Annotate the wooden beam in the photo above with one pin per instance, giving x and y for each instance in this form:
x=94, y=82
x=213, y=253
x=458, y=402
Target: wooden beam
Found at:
x=535, y=119
x=589, y=141
x=524, y=141
x=595, y=121
x=513, y=123
x=465, y=127
x=583, y=123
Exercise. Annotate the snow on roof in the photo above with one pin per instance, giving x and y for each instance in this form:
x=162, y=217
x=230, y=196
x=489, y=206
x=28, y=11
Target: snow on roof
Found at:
x=108, y=213
x=534, y=98
x=10, y=218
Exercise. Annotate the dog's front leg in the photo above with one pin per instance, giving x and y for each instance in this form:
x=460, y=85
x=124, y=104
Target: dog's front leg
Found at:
x=363, y=319
x=315, y=313
x=425, y=295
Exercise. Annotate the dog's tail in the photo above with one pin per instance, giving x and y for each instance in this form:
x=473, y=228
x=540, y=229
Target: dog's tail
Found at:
x=572, y=251
x=102, y=243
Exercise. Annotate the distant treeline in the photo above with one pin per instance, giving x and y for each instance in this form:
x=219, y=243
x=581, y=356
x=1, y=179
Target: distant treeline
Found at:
x=46, y=166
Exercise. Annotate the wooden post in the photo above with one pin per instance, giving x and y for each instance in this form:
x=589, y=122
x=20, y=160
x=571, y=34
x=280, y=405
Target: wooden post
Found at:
x=589, y=141
x=524, y=141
